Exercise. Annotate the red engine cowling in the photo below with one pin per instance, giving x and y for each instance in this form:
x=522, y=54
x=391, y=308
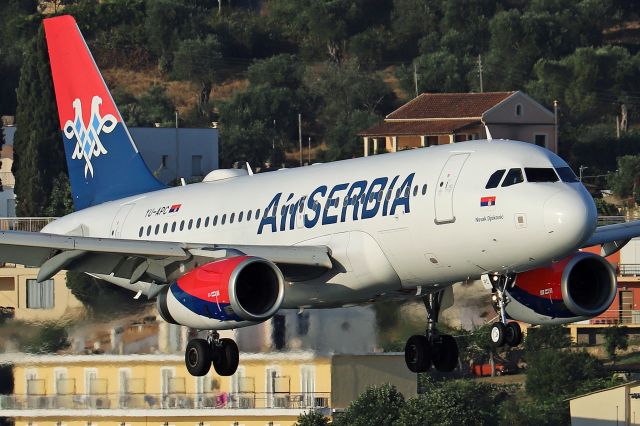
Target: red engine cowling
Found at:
x=228, y=293
x=576, y=288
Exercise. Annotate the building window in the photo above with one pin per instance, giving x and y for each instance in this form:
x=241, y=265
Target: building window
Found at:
x=196, y=165
x=518, y=110
x=40, y=295
x=541, y=140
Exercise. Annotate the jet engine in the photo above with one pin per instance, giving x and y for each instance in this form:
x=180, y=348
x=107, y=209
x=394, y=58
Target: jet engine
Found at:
x=224, y=294
x=576, y=288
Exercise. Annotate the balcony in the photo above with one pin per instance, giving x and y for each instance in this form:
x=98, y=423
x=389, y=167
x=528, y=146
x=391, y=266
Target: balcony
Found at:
x=131, y=401
x=30, y=224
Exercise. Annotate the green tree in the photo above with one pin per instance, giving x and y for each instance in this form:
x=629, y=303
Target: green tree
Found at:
x=378, y=405
x=615, y=337
x=556, y=374
x=60, y=202
x=199, y=60
x=152, y=107
x=625, y=181
x=312, y=418
x=101, y=299
x=546, y=337
x=50, y=338
x=38, y=152
x=458, y=402
x=1, y=139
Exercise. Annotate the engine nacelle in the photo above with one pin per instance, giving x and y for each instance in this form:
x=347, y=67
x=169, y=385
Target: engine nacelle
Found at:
x=224, y=294
x=576, y=288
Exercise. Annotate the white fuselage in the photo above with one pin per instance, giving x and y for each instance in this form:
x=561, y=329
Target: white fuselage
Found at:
x=443, y=227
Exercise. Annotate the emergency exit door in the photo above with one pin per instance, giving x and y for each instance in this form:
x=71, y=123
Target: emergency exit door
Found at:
x=445, y=187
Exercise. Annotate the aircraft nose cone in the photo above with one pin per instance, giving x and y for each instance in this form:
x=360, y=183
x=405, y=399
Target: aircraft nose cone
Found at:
x=570, y=216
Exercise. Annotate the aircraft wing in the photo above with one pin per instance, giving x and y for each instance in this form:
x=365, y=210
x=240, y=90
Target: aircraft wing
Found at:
x=140, y=260
x=613, y=237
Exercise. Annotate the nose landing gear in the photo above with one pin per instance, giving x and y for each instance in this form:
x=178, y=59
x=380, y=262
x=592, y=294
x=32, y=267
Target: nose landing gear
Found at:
x=201, y=354
x=503, y=331
x=441, y=350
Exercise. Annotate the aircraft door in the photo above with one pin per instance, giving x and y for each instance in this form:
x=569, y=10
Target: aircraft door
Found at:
x=444, y=190
x=118, y=221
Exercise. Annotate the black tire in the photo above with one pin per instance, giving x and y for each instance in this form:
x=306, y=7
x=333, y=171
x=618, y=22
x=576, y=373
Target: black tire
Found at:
x=444, y=351
x=417, y=354
x=513, y=334
x=197, y=357
x=497, y=335
x=226, y=357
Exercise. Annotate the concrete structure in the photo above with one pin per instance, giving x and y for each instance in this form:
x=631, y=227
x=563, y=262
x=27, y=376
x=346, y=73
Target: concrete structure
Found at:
x=137, y=389
x=441, y=118
x=160, y=148
x=616, y=406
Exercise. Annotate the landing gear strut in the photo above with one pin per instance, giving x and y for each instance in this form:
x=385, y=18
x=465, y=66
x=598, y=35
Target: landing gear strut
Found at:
x=441, y=350
x=503, y=332
x=201, y=354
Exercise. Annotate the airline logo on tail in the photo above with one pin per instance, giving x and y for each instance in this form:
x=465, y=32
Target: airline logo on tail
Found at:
x=88, y=144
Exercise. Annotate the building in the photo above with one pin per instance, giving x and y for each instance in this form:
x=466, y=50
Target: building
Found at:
x=442, y=118
x=619, y=405
x=196, y=149
x=267, y=389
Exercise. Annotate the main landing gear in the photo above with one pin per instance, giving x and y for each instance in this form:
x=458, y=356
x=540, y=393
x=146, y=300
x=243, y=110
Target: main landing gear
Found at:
x=441, y=350
x=201, y=353
x=503, y=332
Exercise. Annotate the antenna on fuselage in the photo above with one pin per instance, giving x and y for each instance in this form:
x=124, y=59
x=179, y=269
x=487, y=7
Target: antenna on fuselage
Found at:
x=486, y=129
x=249, y=169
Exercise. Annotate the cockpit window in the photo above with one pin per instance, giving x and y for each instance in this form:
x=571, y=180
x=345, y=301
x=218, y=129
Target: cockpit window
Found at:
x=540, y=174
x=513, y=176
x=494, y=180
x=566, y=174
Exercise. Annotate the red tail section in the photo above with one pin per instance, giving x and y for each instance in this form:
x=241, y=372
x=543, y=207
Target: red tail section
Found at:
x=75, y=74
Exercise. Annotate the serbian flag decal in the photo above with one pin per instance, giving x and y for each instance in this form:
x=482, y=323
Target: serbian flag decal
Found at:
x=174, y=208
x=487, y=201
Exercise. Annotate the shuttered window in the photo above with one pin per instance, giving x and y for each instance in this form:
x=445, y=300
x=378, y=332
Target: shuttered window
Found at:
x=40, y=295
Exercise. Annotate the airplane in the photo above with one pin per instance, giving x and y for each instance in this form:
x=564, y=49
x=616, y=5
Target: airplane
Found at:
x=231, y=251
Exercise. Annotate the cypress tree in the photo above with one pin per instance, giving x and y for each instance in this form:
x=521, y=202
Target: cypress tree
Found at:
x=1, y=140
x=38, y=151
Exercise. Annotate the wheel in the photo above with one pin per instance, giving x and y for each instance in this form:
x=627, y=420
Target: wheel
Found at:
x=197, y=357
x=444, y=351
x=226, y=357
x=417, y=354
x=497, y=334
x=513, y=334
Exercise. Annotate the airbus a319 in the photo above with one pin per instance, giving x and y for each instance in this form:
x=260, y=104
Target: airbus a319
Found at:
x=231, y=251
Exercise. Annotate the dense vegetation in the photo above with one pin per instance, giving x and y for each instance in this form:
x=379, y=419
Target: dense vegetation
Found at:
x=343, y=64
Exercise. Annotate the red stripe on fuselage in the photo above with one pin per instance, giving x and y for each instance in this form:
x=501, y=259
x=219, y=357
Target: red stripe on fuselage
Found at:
x=75, y=74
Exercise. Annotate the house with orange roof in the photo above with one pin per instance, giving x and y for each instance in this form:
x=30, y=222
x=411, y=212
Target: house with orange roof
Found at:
x=442, y=118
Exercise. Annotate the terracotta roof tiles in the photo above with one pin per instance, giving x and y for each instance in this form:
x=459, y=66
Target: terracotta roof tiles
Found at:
x=448, y=105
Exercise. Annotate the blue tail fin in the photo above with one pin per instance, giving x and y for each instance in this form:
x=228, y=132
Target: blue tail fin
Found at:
x=103, y=162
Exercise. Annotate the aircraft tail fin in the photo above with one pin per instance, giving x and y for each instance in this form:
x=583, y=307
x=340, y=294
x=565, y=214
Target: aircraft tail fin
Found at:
x=103, y=161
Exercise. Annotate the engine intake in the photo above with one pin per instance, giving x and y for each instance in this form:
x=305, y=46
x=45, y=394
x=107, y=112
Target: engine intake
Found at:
x=223, y=293
x=578, y=287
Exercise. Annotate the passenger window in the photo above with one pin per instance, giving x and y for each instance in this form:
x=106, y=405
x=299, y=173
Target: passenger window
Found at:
x=240, y=216
x=148, y=230
x=424, y=189
x=233, y=216
x=215, y=220
x=164, y=228
x=173, y=227
x=415, y=190
x=494, y=180
x=513, y=177
x=190, y=223
x=157, y=229
x=540, y=174
x=566, y=174
x=181, y=225
x=198, y=223
x=224, y=219
x=206, y=222
x=258, y=214
x=141, y=231
x=249, y=215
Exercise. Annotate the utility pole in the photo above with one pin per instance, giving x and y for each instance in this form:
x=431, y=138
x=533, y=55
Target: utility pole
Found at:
x=309, y=150
x=177, y=149
x=415, y=77
x=581, y=169
x=555, y=121
x=480, y=72
x=300, y=136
